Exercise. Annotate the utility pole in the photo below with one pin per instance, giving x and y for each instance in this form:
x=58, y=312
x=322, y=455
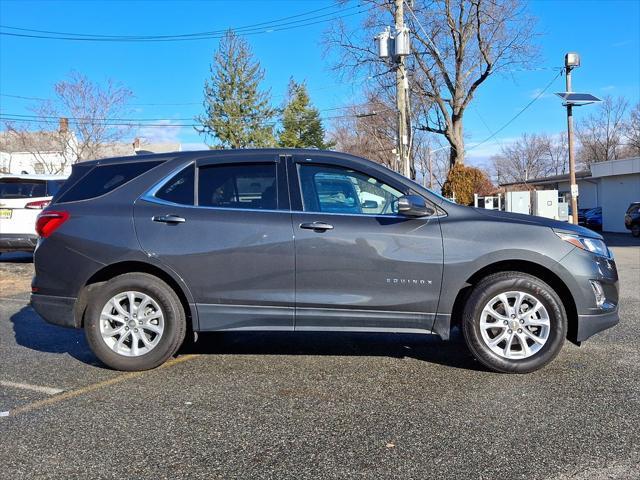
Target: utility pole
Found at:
x=402, y=88
x=571, y=61
x=393, y=47
x=571, y=99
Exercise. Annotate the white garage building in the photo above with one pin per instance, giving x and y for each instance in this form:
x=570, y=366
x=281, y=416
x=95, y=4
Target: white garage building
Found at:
x=612, y=185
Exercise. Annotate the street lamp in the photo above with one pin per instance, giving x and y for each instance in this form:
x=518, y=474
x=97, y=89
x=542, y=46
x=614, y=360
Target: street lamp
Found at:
x=571, y=61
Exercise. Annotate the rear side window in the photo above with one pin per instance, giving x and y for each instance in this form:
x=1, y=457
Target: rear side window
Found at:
x=180, y=188
x=53, y=186
x=249, y=186
x=18, y=188
x=78, y=171
x=103, y=179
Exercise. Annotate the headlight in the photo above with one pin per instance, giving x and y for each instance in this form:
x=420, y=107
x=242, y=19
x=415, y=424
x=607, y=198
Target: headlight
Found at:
x=592, y=245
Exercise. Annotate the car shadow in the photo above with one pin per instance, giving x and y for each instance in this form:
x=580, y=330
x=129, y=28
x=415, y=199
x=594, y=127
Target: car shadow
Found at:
x=427, y=348
x=620, y=239
x=32, y=332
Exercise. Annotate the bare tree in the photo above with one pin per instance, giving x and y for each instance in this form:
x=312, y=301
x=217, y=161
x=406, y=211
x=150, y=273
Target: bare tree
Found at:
x=458, y=45
x=368, y=131
x=524, y=160
x=601, y=133
x=91, y=116
x=632, y=132
x=557, y=153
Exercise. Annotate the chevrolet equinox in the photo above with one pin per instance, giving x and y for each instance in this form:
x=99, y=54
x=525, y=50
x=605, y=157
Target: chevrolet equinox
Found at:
x=139, y=251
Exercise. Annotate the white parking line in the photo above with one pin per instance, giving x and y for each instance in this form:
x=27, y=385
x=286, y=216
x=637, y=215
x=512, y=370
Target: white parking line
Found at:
x=35, y=388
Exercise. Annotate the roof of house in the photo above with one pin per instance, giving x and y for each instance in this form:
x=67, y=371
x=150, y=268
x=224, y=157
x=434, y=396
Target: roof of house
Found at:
x=552, y=179
x=621, y=166
x=11, y=142
x=126, y=149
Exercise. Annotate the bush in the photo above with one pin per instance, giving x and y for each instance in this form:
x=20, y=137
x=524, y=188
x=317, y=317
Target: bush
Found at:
x=462, y=182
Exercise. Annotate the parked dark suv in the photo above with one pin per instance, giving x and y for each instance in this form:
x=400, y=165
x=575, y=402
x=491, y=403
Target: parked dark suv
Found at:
x=139, y=251
x=632, y=219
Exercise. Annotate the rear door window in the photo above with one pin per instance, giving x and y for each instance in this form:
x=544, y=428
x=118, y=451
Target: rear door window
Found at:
x=103, y=179
x=246, y=186
x=180, y=188
x=19, y=188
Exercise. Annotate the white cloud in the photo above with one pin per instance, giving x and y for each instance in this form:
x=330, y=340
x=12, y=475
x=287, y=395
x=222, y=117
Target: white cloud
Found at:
x=622, y=43
x=189, y=146
x=608, y=88
x=167, y=132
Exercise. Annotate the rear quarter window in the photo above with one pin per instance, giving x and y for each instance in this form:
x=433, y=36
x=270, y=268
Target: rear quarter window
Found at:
x=103, y=179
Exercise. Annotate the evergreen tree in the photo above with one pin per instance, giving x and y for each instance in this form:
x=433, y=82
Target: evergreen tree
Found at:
x=301, y=123
x=237, y=113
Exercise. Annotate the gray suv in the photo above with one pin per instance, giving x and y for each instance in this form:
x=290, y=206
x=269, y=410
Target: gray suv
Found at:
x=139, y=251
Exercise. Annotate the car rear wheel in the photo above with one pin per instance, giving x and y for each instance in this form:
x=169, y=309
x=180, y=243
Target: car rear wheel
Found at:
x=635, y=230
x=134, y=322
x=514, y=323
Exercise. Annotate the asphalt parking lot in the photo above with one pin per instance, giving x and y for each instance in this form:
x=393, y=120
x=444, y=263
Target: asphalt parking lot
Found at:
x=269, y=405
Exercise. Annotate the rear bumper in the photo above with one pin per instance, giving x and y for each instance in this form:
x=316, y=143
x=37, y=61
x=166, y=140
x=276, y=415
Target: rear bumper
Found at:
x=589, y=325
x=55, y=310
x=17, y=242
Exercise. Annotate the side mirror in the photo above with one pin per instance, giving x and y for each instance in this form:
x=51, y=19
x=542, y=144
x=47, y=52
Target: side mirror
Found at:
x=369, y=204
x=414, y=206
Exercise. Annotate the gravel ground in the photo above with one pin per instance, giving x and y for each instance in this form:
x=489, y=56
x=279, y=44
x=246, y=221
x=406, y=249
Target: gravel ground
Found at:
x=317, y=406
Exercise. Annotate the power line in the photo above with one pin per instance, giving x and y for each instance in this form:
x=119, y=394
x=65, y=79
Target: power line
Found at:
x=116, y=122
x=272, y=28
x=544, y=90
x=212, y=32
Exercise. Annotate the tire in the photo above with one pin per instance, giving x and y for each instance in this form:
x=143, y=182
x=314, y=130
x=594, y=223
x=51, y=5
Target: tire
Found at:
x=635, y=230
x=164, y=332
x=486, y=320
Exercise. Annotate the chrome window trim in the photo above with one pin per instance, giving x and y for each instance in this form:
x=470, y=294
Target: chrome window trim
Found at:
x=149, y=196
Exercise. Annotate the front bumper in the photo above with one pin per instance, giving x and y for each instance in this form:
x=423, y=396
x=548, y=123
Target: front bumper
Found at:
x=13, y=242
x=55, y=310
x=589, y=325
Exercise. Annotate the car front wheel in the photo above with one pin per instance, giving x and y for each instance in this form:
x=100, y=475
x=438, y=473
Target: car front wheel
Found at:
x=134, y=322
x=514, y=322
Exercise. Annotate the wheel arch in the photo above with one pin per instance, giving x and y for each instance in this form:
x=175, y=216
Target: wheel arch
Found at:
x=134, y=266
x=524, y=266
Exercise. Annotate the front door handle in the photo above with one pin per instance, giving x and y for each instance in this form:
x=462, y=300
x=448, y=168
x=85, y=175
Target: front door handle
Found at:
x=317, y=226
x=169, y=219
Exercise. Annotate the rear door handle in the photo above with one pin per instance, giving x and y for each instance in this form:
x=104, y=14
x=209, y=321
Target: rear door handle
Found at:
x=318, y=226
x=169, y=219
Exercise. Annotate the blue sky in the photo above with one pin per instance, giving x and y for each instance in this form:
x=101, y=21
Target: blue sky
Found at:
x=605, y=33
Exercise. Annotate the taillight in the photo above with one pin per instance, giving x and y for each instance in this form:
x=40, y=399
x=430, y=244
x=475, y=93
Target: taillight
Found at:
x=38, y=204
x=49, y=222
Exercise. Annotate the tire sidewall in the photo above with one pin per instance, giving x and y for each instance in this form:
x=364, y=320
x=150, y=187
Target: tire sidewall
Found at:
x=174, y=321
x=493, y=286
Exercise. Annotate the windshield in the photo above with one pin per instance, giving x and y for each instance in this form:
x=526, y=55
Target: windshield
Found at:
x=17, y=188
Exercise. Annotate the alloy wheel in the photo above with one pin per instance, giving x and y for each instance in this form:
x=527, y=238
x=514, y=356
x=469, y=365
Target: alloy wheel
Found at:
x=515, y=325
x=131, y=323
